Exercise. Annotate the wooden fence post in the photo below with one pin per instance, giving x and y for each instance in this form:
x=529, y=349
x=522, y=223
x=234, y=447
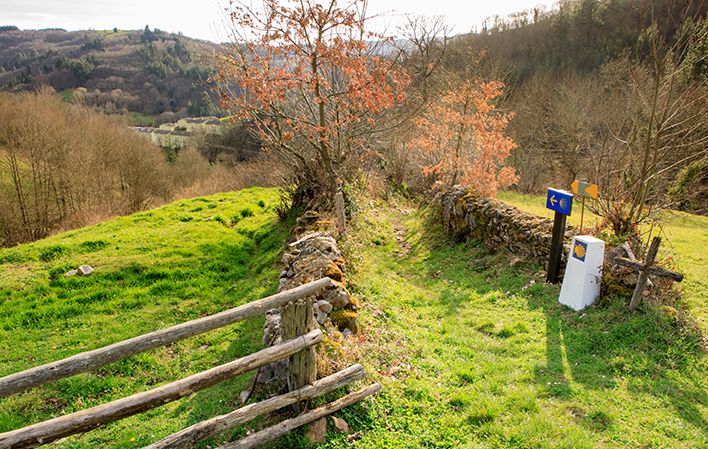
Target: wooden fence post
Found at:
x=298, y=319
x=339, y=209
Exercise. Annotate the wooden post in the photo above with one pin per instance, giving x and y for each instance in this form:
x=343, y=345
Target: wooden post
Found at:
x=298, y=319
x=556, y=255
x=582, y=213
x=339, y=208
x=645, y=270
x=633, y=258
x=644, y=274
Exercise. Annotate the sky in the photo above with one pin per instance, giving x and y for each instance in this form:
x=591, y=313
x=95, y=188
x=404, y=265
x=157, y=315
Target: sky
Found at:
x=204, y=19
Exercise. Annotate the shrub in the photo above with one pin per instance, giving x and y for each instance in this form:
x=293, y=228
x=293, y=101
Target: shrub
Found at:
x=690, y=190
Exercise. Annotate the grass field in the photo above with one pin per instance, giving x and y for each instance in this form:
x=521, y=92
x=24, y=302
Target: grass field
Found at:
x=153, y=269
x=110, y=34
x=474, y=353
x=67, y=95
x=684, y=240
x=140, y=119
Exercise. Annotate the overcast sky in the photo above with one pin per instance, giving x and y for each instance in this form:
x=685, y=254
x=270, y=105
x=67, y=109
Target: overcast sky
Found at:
x=204, y=18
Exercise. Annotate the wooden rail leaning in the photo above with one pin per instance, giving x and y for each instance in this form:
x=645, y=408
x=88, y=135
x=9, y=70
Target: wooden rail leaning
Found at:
x=280, y=429
x=652, y=270
x=645, y=269
x=190, y=436
x=48, y=431
x=91, y=360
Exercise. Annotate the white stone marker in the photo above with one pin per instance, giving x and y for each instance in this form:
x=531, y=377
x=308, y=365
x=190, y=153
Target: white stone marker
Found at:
x=583, y=273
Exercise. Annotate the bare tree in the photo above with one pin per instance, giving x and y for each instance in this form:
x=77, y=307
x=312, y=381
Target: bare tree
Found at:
x=663, y=128
x=56, y=174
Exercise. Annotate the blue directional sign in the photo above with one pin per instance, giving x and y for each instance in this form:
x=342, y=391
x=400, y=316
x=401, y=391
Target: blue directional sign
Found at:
x=559, y=201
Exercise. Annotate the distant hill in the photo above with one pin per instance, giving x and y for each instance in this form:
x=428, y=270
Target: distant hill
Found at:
x=575, y=36
x=148, y=72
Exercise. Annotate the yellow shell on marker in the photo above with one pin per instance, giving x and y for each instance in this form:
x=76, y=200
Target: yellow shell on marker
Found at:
x=579, y=250
x=563, y=203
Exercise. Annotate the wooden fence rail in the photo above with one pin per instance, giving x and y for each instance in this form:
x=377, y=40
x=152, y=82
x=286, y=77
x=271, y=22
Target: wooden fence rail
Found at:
x=280, y=429
x=190, y=436
x=48, y=431
x=301, y=339
x=91, y=360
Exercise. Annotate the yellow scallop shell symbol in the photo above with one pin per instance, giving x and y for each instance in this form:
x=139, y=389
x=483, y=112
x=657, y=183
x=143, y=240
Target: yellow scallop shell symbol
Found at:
x=579, y=250
x=563, y=203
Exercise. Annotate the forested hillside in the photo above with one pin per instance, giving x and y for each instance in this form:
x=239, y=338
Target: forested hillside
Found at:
x=145, y=71
x=594, y=84
x=579, y=36
x=56, y=175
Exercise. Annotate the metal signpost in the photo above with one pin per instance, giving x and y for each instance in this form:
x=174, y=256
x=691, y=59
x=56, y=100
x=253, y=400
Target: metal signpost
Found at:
x=561, y=202
x=584, y=190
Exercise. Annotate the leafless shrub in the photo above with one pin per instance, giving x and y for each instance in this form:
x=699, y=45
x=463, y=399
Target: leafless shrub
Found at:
x=64, y=164
x=262, y=172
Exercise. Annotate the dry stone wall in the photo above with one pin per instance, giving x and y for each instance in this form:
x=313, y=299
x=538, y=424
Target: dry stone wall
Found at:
x=499, y=225
x=528, y=236
x=312, y=256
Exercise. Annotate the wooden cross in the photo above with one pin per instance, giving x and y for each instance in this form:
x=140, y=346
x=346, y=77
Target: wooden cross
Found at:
x=645, y=269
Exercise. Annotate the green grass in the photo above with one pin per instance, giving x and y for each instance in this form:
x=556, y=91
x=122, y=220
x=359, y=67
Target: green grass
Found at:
x=474, y=353
x=67, y=95
x=140, y=119
x=683, y=247
x=110, y=34
x=536, y=204
x=153, y=269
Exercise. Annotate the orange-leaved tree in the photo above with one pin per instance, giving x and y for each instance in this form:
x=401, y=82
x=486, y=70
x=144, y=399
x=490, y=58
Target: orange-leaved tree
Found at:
x=305, y=74
x=461, y=139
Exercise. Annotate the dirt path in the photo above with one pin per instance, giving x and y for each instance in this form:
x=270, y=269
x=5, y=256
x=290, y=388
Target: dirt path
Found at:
x=404, y=247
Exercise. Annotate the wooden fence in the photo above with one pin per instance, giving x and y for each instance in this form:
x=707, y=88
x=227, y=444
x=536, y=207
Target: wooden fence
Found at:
x=300, y=334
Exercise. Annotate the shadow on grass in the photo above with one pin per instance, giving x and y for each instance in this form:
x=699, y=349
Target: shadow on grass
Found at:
x=598, y=348
x=606, y=345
